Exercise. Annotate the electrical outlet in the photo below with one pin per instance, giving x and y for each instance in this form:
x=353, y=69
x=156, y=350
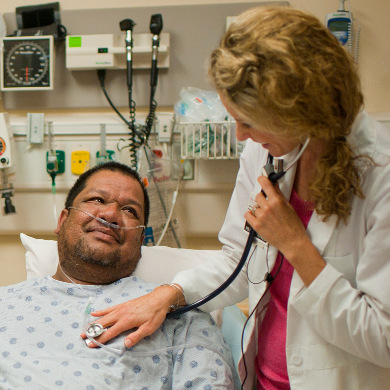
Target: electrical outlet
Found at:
x=165, y=124
x=35, y=128
x=165, y=132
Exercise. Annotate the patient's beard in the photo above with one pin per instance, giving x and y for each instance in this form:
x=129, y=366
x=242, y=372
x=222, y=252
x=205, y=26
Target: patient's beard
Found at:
x=92, y=256
x=90, y=265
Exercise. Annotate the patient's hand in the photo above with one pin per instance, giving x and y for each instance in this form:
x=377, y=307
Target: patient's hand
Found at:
x=145, y=314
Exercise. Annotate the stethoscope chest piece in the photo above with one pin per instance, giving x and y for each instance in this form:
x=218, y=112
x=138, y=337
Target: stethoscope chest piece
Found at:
x=94, y=330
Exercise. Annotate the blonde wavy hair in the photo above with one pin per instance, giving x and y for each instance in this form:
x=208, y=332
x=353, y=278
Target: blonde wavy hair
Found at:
x=281, y=67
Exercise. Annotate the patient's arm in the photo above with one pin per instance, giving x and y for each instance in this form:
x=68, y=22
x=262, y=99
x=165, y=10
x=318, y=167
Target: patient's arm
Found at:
x=145, y=314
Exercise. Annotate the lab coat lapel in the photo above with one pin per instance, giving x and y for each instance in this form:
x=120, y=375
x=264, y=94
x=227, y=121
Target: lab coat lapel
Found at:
x=320, y=232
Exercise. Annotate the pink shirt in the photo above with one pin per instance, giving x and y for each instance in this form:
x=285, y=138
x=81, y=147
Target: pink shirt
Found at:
x=271, y=364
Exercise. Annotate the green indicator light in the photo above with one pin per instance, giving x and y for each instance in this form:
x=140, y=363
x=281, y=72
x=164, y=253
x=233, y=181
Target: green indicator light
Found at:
x=74, y=41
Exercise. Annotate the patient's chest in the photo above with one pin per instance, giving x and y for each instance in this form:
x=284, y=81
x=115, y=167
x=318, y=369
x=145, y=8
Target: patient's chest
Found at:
x=41, y=346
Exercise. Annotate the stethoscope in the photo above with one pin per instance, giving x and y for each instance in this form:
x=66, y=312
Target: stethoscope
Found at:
x=273, y=176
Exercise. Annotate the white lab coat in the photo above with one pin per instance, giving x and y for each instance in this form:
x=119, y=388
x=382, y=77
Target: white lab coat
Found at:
x=338, y=329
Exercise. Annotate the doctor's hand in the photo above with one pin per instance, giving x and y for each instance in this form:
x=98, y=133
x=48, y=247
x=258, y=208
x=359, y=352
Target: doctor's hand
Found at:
x=274, y=219
x=144, y=315
x=276, y=222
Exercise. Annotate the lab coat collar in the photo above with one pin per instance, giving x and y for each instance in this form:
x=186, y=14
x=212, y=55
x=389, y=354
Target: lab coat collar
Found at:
x=287, y=182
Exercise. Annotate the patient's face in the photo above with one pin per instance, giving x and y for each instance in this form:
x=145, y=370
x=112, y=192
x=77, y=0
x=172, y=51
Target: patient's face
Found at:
x=91, y=252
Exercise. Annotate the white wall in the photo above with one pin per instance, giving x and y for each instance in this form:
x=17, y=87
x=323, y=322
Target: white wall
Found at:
x=374, y=66
x=373, y=15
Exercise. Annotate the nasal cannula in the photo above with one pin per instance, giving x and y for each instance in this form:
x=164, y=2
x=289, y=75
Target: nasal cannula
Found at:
x=108, y=224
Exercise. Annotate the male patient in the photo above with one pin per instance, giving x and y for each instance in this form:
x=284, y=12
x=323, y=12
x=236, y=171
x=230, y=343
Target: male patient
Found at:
x=100, y=233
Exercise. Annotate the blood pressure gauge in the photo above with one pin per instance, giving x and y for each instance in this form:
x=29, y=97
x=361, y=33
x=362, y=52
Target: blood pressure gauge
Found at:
x=27, y=63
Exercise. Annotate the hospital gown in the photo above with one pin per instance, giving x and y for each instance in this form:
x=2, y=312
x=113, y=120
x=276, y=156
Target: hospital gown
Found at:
x=41, y=348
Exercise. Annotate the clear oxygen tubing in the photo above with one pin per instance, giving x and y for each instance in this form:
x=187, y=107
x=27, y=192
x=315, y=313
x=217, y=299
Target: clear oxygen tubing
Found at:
x=169, y=218
x=273, y=177
x=108, y=224
x=162, y=201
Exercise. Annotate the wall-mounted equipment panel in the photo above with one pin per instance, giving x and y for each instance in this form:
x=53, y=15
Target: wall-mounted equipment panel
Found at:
x=108, y=51
x=195, y=30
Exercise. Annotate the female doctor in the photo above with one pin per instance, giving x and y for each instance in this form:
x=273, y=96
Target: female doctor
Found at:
x=324, y=277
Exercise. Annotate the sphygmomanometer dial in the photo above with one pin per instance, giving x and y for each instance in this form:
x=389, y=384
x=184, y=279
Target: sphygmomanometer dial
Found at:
x=27, y=63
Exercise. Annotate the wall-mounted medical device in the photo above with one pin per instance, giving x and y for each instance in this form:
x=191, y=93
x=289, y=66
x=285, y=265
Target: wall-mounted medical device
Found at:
x=38, y=20
x=27, y=56
x=5, y=143
x=6, y=146
x=343, y=27
x=27, y=63
x=107, y=51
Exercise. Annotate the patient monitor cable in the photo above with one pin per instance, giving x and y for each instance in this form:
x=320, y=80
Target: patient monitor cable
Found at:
x=273, y=177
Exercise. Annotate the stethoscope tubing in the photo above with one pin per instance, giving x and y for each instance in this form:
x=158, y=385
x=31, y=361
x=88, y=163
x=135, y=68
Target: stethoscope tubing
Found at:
x=224, y=285
x=273, y=177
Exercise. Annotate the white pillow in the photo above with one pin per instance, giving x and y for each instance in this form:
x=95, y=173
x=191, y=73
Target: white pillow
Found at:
x=158, y=264
x=41, y=256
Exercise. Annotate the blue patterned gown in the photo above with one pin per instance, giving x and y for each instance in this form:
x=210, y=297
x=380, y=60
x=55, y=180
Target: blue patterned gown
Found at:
x=40, y=345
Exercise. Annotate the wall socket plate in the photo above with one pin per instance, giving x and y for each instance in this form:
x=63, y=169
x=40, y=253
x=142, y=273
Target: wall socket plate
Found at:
x=35, y=128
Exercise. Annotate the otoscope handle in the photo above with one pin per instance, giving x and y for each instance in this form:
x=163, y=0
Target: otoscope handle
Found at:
x=156, y=25
x=128, y=25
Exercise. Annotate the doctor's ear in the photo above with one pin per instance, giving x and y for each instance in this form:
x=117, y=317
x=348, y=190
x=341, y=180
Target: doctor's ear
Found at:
x=63, y=216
